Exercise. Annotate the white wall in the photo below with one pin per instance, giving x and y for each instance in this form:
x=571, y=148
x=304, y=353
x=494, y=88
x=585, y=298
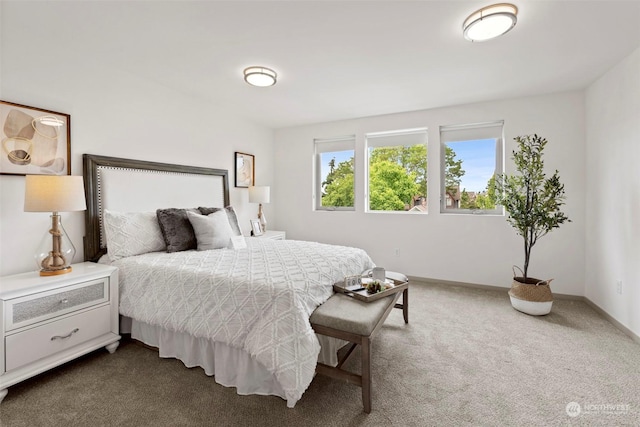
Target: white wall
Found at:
x=465, y=248
x=613, y=200
x=114, y=114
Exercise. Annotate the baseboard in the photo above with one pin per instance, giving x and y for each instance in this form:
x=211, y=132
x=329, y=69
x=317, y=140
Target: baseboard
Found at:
x=590, y=303
x=489, y=287
x=611, y=319
x=454, y=283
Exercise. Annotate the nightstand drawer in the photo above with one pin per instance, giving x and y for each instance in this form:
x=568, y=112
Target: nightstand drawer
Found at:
x=46, y=305
x=33, y=344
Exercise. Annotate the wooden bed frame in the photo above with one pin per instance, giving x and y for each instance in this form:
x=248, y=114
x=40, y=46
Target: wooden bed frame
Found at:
x=96, y=194
x=128, y=185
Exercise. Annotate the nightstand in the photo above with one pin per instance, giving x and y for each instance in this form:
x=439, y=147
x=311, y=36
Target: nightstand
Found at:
x=47, y=321
x=273, y=235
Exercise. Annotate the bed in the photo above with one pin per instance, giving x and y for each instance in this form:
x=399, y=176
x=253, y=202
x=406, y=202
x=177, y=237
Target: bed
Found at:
x=240, y=312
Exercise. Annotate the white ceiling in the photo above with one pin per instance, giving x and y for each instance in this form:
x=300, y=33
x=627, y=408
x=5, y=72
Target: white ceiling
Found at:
x=346, y=59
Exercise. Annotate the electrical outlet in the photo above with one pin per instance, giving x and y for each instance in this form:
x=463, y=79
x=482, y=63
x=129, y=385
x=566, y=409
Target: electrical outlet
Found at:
x=619, y=287
x=396, y=251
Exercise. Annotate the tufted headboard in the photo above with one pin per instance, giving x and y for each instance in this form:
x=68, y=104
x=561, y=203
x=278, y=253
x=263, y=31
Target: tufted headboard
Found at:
x=128, y=185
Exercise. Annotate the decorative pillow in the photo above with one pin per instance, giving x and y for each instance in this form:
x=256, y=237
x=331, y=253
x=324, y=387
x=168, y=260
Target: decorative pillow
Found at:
x=132, y=233
x=238, y=242
x=212, y=231
x=231, y=213
x=176, y=229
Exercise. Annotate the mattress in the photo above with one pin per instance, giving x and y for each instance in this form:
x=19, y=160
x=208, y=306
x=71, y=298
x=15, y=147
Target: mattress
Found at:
x=257, y=300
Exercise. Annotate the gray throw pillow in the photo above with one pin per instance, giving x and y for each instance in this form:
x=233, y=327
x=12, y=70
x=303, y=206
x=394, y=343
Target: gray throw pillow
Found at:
x=231, y=214
x=177, y=229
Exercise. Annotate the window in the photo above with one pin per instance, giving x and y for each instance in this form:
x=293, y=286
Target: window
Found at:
x=334, y=183
x=397, y=171
x=471, y=156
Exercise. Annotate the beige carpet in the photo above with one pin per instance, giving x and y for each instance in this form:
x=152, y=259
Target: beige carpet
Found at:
x=466, y=359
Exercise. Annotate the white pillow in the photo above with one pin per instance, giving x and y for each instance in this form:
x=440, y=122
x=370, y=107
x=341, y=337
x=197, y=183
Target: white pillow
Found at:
x=237, y=242
x=212, y=231
x=132, y=233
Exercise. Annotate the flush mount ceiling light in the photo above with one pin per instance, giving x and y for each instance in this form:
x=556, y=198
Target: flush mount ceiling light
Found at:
x=260, y=76
x=490, y=22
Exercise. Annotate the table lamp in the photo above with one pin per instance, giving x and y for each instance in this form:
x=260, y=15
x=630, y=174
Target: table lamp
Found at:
x=54, y=193
x=260, y=195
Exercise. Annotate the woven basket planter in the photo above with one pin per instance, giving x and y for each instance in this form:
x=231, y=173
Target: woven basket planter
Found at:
x=531, y=296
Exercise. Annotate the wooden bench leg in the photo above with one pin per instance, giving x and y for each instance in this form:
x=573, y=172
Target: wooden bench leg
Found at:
x=366, y=374
x=405, y=305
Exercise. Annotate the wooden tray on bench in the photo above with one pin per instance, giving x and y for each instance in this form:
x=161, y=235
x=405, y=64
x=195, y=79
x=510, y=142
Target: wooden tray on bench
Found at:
x=365, y=296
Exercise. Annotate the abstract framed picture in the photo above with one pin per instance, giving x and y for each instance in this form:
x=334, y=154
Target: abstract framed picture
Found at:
x=245, y=170
x=34, y=141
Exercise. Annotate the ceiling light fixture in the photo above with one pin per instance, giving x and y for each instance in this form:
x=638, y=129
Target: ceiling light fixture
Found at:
x=490, y=22
x=260, y=76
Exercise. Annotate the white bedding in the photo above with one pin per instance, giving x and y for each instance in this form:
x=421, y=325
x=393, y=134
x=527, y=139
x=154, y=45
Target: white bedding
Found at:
x=257, y=299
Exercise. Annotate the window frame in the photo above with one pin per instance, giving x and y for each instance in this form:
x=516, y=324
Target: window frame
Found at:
x=392, y=133
x=483, y=127
x=339, y=142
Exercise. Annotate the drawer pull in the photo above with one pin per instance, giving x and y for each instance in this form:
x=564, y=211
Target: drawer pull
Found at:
x=59, y=337
x=64, y=301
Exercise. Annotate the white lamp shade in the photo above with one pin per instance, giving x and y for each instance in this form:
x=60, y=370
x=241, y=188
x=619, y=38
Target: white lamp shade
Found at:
x=259, y=194
x=54, y=193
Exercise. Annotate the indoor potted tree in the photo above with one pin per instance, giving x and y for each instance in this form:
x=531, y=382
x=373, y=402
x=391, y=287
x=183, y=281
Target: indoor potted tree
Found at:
x=533, y=203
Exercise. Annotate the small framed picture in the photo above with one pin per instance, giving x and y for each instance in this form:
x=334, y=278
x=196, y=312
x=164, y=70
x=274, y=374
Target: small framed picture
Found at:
x=245, y=170
x=255, y=227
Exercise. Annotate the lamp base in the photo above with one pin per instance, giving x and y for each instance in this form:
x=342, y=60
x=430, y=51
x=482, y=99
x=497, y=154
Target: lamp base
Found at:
x=55, y=251
x=56, y=272
x=262, y=218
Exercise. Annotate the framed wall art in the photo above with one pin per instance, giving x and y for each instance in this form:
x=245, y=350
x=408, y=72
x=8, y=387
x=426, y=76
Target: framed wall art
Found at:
x=34, y=141
x=245, y=170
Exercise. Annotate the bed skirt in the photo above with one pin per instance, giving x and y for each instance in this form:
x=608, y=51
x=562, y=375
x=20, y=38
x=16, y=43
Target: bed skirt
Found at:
x=230, y=367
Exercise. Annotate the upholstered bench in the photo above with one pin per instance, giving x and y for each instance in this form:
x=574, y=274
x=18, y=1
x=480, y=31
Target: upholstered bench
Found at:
x=347, y=318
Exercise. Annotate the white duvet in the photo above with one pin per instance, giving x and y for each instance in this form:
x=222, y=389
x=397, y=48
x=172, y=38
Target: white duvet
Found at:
x=258, y=299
